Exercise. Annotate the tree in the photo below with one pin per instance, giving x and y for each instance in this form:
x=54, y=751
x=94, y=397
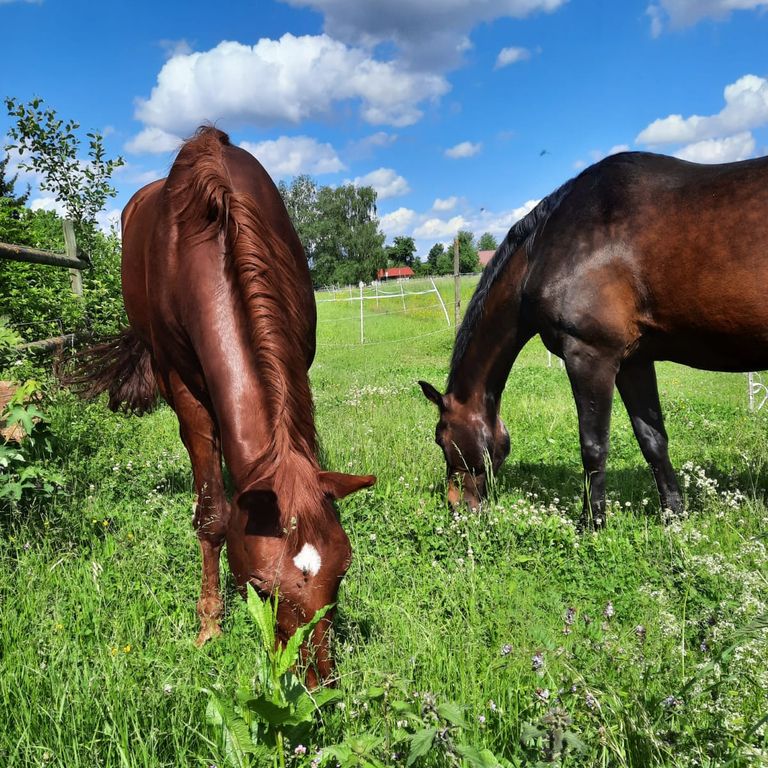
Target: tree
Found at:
x=437, y=250
x=402, y=252
x=468, y=261
x=38, y=299
x=339, y=229
x=12, y=210
x=52, y=145
x=300, y=198
x=487, y=242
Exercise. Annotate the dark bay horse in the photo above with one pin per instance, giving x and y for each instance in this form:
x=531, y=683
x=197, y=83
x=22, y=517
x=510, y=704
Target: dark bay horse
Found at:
x=222, y=322
x=639, y=258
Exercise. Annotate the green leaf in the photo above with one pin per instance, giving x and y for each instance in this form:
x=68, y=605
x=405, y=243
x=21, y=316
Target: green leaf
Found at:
x=421, y=743
x=237, y=736
x=268, y=711
x=478, y=758
x=293, y=647
x=261, y=611
x=453, y=713
x=571, y=740
x=530, y=732
x=310, y=703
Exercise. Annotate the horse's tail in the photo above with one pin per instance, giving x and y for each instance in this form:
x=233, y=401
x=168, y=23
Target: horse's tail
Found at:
x=213, y=209
x=121, y=366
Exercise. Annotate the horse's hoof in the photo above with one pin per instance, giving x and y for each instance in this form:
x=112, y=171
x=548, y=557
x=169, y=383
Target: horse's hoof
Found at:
x=209, y=630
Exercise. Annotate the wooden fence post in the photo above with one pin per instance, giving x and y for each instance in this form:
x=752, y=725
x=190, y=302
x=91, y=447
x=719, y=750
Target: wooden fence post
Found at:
x=70, y=249
x=456, y=284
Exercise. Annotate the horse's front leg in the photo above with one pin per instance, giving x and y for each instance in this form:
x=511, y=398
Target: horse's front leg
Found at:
x=211, y=511
x=637, y=386
x=592, y=374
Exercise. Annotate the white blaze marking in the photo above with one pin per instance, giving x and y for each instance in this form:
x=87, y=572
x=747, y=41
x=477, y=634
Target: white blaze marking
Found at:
x=308, y=560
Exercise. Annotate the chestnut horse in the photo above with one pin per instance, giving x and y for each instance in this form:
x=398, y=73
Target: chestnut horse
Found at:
x=639, y=258
x=222, y=322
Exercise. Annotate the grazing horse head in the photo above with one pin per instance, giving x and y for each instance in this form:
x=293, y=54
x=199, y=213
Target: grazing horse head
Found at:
x=303, y=566
x=474, y=441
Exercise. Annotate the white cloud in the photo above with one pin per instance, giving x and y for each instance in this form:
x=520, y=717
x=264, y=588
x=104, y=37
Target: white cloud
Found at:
x=288, y=80
x=398, y=222
x=48, y=203
x=446, y=204
x=684, y=13
x=511, y=55
x=438, y=229
x=293, y=155
x=727, y=150
x=464, y=149
x=746, y=107
x=428, y=33
x=385, y=181
x=153, y=141
x=175, y=48
x=109, y=221
x=136, y=176
x=426, y=228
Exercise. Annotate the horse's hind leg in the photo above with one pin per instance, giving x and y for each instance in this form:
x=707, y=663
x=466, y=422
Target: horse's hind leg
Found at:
x=200, y=436
x=592, y=374
x=636, y=383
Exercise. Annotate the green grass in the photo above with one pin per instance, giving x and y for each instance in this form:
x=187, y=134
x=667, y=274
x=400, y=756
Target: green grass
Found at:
x=98, y=584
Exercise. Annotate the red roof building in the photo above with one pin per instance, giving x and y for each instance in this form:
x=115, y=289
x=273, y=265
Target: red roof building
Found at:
x=485, y=257
x=394, y=273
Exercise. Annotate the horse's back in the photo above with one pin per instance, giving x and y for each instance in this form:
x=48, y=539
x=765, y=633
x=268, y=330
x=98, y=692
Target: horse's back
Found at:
x=666, y=257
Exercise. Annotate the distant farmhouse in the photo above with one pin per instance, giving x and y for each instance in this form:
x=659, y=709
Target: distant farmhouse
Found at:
x=485, y=257
x=395, y=273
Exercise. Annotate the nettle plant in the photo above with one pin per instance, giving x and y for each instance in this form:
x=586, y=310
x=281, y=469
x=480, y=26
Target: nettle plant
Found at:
x=263, y=723
x=273, y=721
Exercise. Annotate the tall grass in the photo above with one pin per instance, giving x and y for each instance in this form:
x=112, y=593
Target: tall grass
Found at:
x=647, y=637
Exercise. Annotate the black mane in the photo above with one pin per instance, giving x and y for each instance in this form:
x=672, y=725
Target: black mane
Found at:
x=521, y=233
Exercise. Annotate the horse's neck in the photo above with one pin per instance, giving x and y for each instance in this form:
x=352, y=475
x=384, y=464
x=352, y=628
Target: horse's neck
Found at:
x=495, y=340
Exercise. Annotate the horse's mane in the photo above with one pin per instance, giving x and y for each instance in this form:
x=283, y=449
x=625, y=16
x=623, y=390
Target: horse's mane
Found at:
x=207, y=207
x=521, y=233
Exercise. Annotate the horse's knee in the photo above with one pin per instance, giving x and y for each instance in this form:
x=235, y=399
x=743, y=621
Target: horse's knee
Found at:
x=210, y=606
x=594, y=454
x=210, y=520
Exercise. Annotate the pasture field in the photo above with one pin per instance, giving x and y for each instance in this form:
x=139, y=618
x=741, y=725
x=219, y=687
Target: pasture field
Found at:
x=645, y=644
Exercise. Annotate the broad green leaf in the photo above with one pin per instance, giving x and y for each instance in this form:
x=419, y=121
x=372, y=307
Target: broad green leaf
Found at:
x=268, y=711
x=478, y=758
x=292, y=648
x=453, y=713
x=421, y=743
x=237, y=736
x=364, y=743
x=530, y=732
x=261, y=611
x=571, y=740
x=310, y=703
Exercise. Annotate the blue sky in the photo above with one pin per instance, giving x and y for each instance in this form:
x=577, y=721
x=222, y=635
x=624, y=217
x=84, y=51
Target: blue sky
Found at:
x=462, y=113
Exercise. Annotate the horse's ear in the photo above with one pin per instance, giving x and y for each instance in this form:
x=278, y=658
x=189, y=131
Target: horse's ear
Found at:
x=432, y=394
x=337, y=485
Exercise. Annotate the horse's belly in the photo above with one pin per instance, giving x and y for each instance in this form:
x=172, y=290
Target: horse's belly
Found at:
x=709, y=351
